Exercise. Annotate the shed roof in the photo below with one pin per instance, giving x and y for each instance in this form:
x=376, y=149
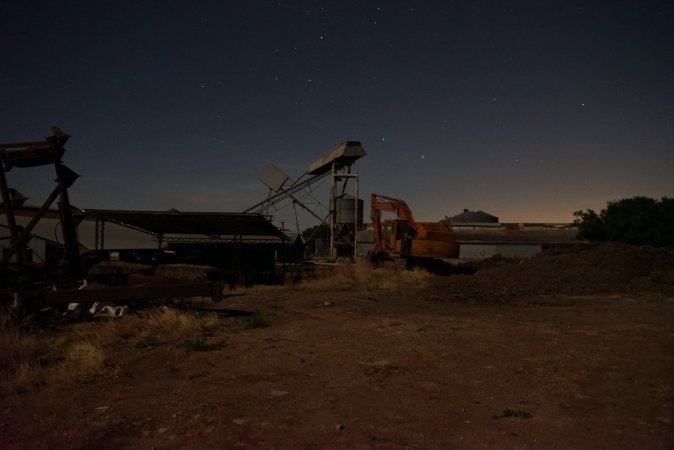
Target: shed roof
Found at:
x=184, y=223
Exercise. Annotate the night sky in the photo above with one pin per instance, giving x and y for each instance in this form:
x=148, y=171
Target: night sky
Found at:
x=528, y=110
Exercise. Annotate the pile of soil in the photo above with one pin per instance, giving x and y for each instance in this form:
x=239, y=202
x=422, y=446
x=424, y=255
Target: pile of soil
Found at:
x=607, y=268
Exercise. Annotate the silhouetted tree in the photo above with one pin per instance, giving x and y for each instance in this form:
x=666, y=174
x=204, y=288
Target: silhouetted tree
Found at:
x=311, y=234
x=590, y=226
x=636, y=221
x=316, y=232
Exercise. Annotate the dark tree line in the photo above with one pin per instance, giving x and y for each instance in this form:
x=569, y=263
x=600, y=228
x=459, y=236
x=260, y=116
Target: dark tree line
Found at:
x=636, y=221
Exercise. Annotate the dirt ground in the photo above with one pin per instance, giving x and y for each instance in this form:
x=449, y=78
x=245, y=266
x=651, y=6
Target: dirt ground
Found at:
x=565, y=350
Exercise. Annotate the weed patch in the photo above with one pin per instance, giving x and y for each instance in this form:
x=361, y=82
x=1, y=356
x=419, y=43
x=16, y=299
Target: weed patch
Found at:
x=201, y=345
x=510, y=412
x=83, y=361
x=252, y=322
x=363, y=277
x=147, y=341
x=78, y=353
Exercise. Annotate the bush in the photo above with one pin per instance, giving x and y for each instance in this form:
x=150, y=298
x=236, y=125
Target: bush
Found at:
x=636, y=221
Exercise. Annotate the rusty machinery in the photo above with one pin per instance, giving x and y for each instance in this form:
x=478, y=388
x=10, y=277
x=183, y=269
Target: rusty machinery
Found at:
x=29, y=287
x=419, y=243
x=32, y=154
x=343, y=213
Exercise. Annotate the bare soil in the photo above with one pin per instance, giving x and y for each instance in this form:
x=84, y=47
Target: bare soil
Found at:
x=565, y=350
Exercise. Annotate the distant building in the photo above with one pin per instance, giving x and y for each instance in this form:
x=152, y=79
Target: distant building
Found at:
x=480, y=235
x=468, y=216
x=512, y=240
x=245, y=247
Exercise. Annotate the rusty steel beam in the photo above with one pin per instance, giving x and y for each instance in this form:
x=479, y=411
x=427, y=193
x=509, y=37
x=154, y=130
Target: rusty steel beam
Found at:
x=21, y=240
x=14, y=145
x=65, y=178
x=30, y=157
x=9, y=212
x=31, y=154
x=17, y=199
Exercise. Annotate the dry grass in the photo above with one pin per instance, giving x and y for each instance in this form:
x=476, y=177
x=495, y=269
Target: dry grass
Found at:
x=364, y=277
x=155, y=327
x=31, y=361
x=20, y=358
x=82, y=361
x=16, y=349
x=84, y=351
x=358, y=277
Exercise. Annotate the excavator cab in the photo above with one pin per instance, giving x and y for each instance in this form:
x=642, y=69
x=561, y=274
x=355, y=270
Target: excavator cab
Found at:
x=397, y=236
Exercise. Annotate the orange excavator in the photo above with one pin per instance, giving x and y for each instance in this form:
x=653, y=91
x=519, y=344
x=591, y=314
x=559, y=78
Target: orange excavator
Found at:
x=418, y=242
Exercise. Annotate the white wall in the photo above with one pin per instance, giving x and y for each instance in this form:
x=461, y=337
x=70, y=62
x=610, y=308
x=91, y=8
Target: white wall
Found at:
x=481, y=251
x=116, y=236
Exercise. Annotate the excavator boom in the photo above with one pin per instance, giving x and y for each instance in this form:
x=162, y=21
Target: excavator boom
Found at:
x=405, y=236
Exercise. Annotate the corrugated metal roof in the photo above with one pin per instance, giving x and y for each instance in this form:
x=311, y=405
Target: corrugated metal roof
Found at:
x=184, y=223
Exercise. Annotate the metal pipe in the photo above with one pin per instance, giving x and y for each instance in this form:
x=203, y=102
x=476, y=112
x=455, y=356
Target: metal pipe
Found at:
x=285, y=193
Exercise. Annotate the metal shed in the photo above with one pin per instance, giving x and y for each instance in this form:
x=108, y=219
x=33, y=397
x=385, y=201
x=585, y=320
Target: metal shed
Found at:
x=244, y=246
x=478, y=241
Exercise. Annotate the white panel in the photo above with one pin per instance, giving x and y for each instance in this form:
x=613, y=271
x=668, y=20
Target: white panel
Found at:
x=273, y=177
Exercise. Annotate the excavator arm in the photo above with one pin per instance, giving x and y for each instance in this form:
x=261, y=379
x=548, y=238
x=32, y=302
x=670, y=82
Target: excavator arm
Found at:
x=411, y=238
x=399, y=207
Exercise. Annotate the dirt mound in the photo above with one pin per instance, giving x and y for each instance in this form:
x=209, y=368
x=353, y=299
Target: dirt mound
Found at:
x=602, y=269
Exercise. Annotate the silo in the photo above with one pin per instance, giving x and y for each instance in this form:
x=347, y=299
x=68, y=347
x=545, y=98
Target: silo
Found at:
x=345, y=210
